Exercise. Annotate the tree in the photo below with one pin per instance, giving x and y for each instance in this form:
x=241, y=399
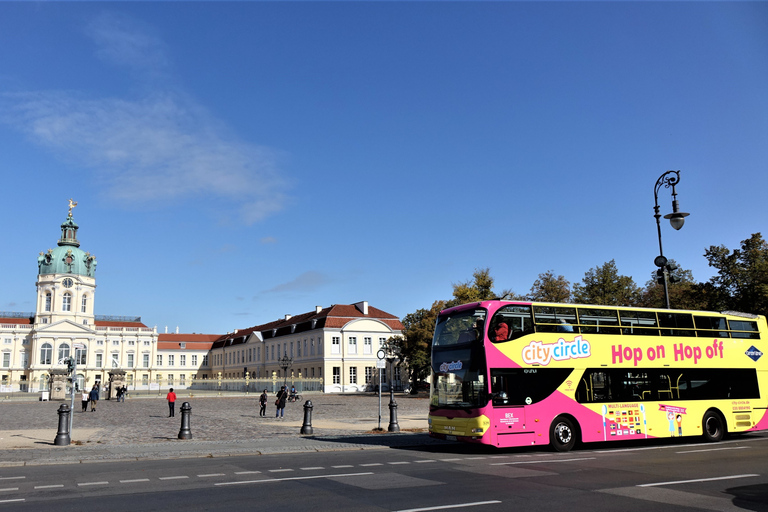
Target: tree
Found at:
x=548, y=288
x=480, y=287
x=684, y=291
x=416, y=344
x=742, y=280
x=603, y=285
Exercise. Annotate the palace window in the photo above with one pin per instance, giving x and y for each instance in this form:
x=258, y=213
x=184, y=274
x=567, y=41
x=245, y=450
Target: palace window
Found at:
x=46, y=351
x=66, y=304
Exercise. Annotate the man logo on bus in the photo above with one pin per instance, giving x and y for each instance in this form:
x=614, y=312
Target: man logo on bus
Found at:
x=537, y=352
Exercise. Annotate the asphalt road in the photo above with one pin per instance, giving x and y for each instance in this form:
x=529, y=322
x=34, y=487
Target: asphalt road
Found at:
x=661, y=476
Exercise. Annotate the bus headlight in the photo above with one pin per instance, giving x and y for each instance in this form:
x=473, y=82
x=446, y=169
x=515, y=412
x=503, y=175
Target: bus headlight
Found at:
x=477, y=431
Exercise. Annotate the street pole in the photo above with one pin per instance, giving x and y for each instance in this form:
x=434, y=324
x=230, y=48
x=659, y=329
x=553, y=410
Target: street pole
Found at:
x=676, y=219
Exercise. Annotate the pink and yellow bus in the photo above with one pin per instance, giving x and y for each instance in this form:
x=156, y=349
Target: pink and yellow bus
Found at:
x=526, y=373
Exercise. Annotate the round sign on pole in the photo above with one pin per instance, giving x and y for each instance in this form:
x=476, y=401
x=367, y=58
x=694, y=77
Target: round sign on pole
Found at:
x=381, y=354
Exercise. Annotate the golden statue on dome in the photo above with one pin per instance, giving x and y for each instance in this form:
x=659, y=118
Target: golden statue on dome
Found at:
x=72, y=204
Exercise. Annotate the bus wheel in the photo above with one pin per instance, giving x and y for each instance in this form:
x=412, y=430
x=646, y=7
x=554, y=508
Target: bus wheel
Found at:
x=713, y=427
x=562, y=435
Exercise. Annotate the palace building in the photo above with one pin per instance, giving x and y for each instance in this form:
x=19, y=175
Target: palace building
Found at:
x=336, y=346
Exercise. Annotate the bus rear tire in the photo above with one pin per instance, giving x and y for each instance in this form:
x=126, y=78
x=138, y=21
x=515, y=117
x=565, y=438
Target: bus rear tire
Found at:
x=562, y=434
x=713, y=427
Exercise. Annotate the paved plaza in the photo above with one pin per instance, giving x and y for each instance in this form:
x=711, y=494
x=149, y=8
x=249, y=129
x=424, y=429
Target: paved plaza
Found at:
x=220, y=425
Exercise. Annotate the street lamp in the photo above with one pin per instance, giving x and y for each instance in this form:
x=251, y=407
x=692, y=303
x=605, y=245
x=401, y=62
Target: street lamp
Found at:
x=285, y=362
x=676, y=219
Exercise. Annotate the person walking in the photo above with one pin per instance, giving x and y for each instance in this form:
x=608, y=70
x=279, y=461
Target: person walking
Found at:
x=263, y=403
x=171, y=397
x=93, y=397
x=85, y=400
x=280, y=402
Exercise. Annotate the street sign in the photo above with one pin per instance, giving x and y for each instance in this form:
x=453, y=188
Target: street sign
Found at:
x=381, y=354
x=381, y=363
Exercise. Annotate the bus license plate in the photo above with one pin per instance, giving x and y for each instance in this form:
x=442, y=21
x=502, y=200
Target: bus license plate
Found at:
x=451, y=438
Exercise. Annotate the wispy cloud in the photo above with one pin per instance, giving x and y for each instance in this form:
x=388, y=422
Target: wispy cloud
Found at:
x=308, y=281
x=162, y=144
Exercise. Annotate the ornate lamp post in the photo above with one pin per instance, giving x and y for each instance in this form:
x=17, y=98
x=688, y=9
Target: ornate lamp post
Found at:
x=285, y=362
x=676, y=219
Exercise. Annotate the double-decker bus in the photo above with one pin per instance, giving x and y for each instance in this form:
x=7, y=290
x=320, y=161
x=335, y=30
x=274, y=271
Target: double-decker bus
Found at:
x=527, y=373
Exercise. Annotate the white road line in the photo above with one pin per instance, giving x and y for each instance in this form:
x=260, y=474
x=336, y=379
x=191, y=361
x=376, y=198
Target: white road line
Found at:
x=210, y=474
x=180, y=477
x=312, y=469
x=92, y=483
x=458, y=505
x=11, y=477
x=423, y=461
x=246, y=472
x=539, y=461
x=731, y=477
x=476, y=458
x=371, y=464
x=134, y=481
x=12, y=501
x=10, y=489
x=287, y=470
x=271, y=480
x=397, y=463
x=450, y=460
x=715, y=449
x=57, y=486
x=343, y=466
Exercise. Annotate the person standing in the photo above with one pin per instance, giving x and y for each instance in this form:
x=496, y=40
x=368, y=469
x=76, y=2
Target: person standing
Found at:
x=263, y=403
x=280, y=402
x=85, y=400
x=171, y=397
x=93, y=397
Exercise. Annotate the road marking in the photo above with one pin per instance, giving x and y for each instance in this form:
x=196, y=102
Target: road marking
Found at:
x=449, y=460
x=180, y=477
x=49, y=486
x=731, y=477
x=134, y=481
x=280, y=470
x=12, y=501
x=343, y=466
x=210, y=474
x=475, y=458
x=10, y=489
x=715, y=449
x=92, y=483
x=396, y=463
x=246, y=472
x=312, y=469
x=458, y=505
x=423, y=461
x=270, y=480
x=539, y=461
x=12, y=477
x=371, y=464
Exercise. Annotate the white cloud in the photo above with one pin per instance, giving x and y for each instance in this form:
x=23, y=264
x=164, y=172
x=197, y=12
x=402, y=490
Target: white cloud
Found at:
x=163, y=145
x=307, y=281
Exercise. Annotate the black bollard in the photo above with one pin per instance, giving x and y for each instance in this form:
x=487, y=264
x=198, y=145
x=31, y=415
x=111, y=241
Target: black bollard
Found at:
x=306, y=428
x=186, y=411
x=62, y=436
x=393, y=426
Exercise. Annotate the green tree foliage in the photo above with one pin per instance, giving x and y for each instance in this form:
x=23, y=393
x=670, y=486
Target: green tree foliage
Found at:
x=415, y=346
x=548, y=288
x=603, y=285
x=480, y=287
x=742, y=280
x=684, y=291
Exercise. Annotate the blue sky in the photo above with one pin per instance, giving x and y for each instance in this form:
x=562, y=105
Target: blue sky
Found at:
x=236, y=162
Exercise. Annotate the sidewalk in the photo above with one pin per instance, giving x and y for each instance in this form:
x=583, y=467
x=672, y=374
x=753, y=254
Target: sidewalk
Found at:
x=221, y=426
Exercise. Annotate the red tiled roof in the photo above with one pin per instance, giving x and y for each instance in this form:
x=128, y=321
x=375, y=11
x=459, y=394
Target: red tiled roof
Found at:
x=19, y=321
x=110, y=323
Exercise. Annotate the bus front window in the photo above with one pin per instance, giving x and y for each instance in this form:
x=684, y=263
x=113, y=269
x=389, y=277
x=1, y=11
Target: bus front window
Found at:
x=458, y=361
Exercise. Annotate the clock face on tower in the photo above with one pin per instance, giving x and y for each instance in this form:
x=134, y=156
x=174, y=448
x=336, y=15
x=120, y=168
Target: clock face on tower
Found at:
x=67, y=283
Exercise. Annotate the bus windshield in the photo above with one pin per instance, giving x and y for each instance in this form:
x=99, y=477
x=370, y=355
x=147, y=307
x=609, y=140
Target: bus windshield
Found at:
x=458, y=360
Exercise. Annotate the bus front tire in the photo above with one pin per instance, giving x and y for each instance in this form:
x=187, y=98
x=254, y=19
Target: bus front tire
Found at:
x=562, y=434
x=713, y=427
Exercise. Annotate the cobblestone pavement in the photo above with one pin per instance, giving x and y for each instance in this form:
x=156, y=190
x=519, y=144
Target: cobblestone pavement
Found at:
x=218, y=424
